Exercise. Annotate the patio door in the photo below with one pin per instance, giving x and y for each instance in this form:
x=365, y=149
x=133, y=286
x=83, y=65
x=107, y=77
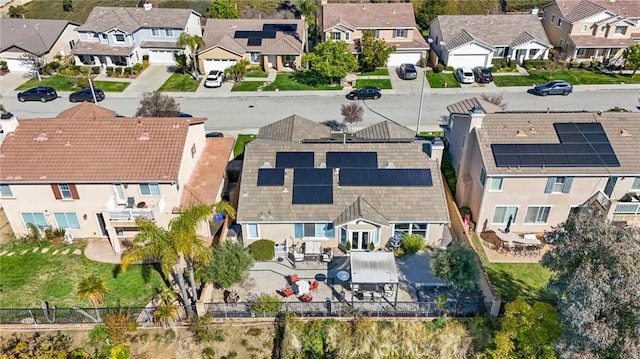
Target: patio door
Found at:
x=360, y=240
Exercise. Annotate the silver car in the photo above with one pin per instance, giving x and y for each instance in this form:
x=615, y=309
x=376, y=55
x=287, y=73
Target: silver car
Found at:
x=214, y=79
x=464, y=75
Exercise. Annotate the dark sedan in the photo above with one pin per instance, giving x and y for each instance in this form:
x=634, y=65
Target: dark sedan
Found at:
x=40, y=93
x=482, y=75
x=85, y=95
x=556, y=87
x=364, y=94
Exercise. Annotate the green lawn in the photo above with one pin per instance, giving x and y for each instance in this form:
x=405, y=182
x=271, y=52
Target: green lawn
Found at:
x=286, y=82
x=241, y=141
x=45, y=9
x=247, y=86
x=383, y=84
x=179, y=83
x=382, y=71
x=510, y=280
x=256, y=74
x=574, y=77
x=438, y=80
x=29, y=279
x=62, y=83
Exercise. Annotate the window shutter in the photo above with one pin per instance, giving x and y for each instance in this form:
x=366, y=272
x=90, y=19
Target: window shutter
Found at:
x=550, y=182
x=299, y=231
x=74, y=191
x=56, y=191
x=567, y=185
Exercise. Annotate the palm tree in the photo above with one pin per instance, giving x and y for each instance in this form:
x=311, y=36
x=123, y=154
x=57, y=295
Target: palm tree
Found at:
x=165, y=295
x=93, y=289
x=194, y=43
x=166, y=315
x=224, y=208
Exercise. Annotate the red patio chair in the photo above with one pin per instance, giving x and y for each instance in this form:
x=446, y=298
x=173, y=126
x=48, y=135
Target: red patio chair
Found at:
x=314, y=285
x=293, y=278
x=286, y=292
x=306, y=298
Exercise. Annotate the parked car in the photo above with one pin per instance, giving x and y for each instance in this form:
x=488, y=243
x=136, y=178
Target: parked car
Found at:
x=214, y=79
x=555, y=87
x=214, y=135
x=6, y=115
x=464, y=75
x=364, y=93
x=40, y=93
x=85, y=95
x=482, y=75
x=408, y=72
x=177, y=114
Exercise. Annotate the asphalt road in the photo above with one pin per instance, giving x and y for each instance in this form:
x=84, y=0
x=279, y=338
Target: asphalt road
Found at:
x=232, y=115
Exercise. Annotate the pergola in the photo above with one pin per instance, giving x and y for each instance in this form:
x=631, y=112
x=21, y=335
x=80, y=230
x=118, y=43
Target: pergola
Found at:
x=374, y=275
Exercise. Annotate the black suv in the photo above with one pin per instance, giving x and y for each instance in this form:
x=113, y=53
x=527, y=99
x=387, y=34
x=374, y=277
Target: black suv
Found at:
x=482, y=75
x=40, y=93
x=364, y=93
x=407, y=72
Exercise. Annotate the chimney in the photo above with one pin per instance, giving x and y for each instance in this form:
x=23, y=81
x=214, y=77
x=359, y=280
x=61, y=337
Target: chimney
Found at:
x=147, y=6
x=436, y=149
x=477, y=115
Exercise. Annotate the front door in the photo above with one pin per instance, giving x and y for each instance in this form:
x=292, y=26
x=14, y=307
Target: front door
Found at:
x=360, y=240
x=272, y=61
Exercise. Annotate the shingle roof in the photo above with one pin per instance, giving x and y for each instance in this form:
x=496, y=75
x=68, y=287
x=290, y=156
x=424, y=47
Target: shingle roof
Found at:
x=623, y=131
x=468, y=104
x=95, y=150
x=593, y=41
x=366, y=15
x=95, y=48
x=577, y=10
x=385, y=130
x=360, y=209
x=394, y=203
x=36, y=36
x=221, y=32
x=159, y=45
x=130, y=19
x=86, y=110
x=494, y=30
x=293, y=128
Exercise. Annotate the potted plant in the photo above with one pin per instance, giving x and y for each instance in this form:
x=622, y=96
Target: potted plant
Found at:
x=347, y=247
x=372, y=247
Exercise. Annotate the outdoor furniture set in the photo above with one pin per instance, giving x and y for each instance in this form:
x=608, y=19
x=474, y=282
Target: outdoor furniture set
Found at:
x=312, y=251
x=299, y=287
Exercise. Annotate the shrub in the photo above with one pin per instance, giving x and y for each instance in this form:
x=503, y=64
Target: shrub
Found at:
x=79, y=353
x=201, y=329
x=585, y=64
x=499, y=63
x=266, y=305
x=412, y=243
x=137, y=68
x=398, y=252
x=128, y=71
x=118, y=325
x=208, y=353
x=262, y=250
x=83, y=82
x=4, y=66
x=109, y=71
x=254, y=332
x=85, y=70
x=117, y=71
x=145, y=63
x=439, y=68
x=422, y=62
x=449, y=68
x=95, y=70
x=574, y=64
x=255, y=68
x=512, y=65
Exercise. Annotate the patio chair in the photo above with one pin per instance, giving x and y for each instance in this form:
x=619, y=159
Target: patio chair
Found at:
x=306, y=298
x=293, y=278
x=286, y=292
x=297, y=256
x=314, y=285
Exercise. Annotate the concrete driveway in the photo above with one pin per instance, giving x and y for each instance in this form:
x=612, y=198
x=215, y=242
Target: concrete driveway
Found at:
x=10, y=81
x=150, y=79
x=401, y=86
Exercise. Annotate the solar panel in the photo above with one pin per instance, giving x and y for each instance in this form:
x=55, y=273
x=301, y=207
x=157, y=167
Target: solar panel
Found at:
x=531, y=160
x=254, y=41
x=268, y=34
x=312, y=195
x=312, y=176
x=294, y=159
x=352, y=159
x=610, y=160
x=507, y=160
x=589, y=127
x=528, y=149
x=565, y=127
x=597, y=137
x=571, y=137
x=386, y=177
x=270, y=176
x=280, y=27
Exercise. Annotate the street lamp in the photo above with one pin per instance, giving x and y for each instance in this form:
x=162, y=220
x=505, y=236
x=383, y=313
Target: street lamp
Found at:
x=424, y=76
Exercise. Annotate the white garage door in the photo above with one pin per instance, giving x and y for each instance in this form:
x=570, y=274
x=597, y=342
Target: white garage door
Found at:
x=161, y=57
x=218, y=64
x=16, y=65
x=399, y=58
x=467, y=60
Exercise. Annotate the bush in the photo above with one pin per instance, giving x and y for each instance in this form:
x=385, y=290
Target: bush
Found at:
x=254, y=332
x=499, y=63
x=137, y=68
x=145, y=64
x=255, y=68
x=95, y=70
x=398, y=252
x=109, y=71
x=79, y=353
x=4, y=66
x=145, y=58
x=412, y=243
x=422, y=62
x=439, y=68
x=537, y=64
x=83, y=82
x=208, y=353
x=449, y=68
x=574, y=64
x=118, y=71
x=262, y=250
x=128, y=71
x=585, y=64
x=266, y=305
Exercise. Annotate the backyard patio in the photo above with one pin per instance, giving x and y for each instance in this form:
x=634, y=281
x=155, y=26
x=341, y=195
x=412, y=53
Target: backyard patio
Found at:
x=509, y=247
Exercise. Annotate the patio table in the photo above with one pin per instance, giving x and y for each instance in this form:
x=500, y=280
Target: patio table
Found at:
x=343, y=275
x=301, y=287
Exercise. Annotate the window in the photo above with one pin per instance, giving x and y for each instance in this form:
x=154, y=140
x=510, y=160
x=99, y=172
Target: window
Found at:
x=168, y=32
x=252, y=231
x=314, y=230
x=532, y=53
x=483, y=176
x=558, y=185
x=155, y=32
x=67, y=220
x=150, y=189
x=254, y=57
x=585, y=28
x=105, y=36
x=72, y=44
x=94, y=35
x=34, y=218
x=537, y=215
x=346, y=35
x=376, y=33
x=289, y=58
x=119, y=37
x=602, y=28
x=621, y=30
x=400, y=33
x=581, y=51
x=553, y=17
x=499, y=52
x=636, y=184
x=403, y=229
x=496, y=184
x=611, y=184
x=559, y=22
x=65, y=191
x=335, y=36
x=502, y=214
x=5, y=190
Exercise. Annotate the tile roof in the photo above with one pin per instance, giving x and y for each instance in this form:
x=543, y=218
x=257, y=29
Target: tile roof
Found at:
x=622, y=128
x=221, y=32
x=159, y=45
x=494, y=30
x=385, y=130
x=360, y=209
x=466, y=105
x=576, y=10
x=417, y=41
x=378, y=15
x=96, y=48
x=293, y=128
x=592, y=41
x=130, y=19
x=393, y=203
x=86, y=110
x=208, y=175
x=95, y=150
x=36, y=36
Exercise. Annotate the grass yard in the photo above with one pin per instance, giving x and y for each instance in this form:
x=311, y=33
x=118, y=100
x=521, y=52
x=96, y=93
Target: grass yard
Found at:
x=62, y=83
x=438, y=80
x=31, y=278
x=381, y=71
x=286, y=82
x=383, y=84
x=247, y=86
x=111, y=86
x=46, y=9
x=179, y=83
x=574, y=77
x=241, y=141
x=259, y=74
x=510, y=280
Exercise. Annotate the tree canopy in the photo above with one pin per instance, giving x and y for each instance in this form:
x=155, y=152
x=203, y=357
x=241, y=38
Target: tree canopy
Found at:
x=332, y=60
x=157, y=104
x=374, y=52
x=597, y=280
x=223, y=9
x=456, y=265
x=632, y=55
x=229, y=265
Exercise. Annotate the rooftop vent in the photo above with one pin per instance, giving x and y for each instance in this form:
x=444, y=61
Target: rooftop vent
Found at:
x=266, y=164
x=41, y=137
x=323, y=165
x=144, y=136
x=67, y=143
x=285, y=190
x=139, y=123
x=43, y=177
x=390, y=165
x=625, y=133
x=521, y=133
x=147, y=6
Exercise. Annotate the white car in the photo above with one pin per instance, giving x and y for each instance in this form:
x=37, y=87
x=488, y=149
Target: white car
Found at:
x=464, y=75
x=214, y=79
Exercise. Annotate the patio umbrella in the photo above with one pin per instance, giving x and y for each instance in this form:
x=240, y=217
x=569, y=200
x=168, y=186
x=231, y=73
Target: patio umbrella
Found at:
x=508, y=228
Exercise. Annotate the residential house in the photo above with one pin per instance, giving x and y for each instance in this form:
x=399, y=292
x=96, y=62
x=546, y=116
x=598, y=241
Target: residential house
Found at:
x=299, y=184
x=475, y=40
x=94, y=174
x=121, y=36
x=39, y=37
x=597, y=30
x=270, y=43
x=395, y=23
x=537, y=167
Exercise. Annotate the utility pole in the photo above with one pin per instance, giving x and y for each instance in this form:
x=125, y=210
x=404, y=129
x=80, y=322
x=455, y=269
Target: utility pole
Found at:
x=93, y=93
x=424, y=76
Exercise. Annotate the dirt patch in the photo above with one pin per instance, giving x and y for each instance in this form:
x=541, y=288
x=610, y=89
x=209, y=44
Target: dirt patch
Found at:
x=6, y=233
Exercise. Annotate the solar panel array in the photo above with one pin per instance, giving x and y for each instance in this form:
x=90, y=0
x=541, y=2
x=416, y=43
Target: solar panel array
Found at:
x=385, y=177
x=312, y=186
x=270, y=176
x=352, y=159
x=269, y=31
x=581, y=145
x=294, y=159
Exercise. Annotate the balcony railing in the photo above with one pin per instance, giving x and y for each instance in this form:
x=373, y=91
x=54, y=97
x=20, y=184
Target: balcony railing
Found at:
x=628, y=208
x=130, y=214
